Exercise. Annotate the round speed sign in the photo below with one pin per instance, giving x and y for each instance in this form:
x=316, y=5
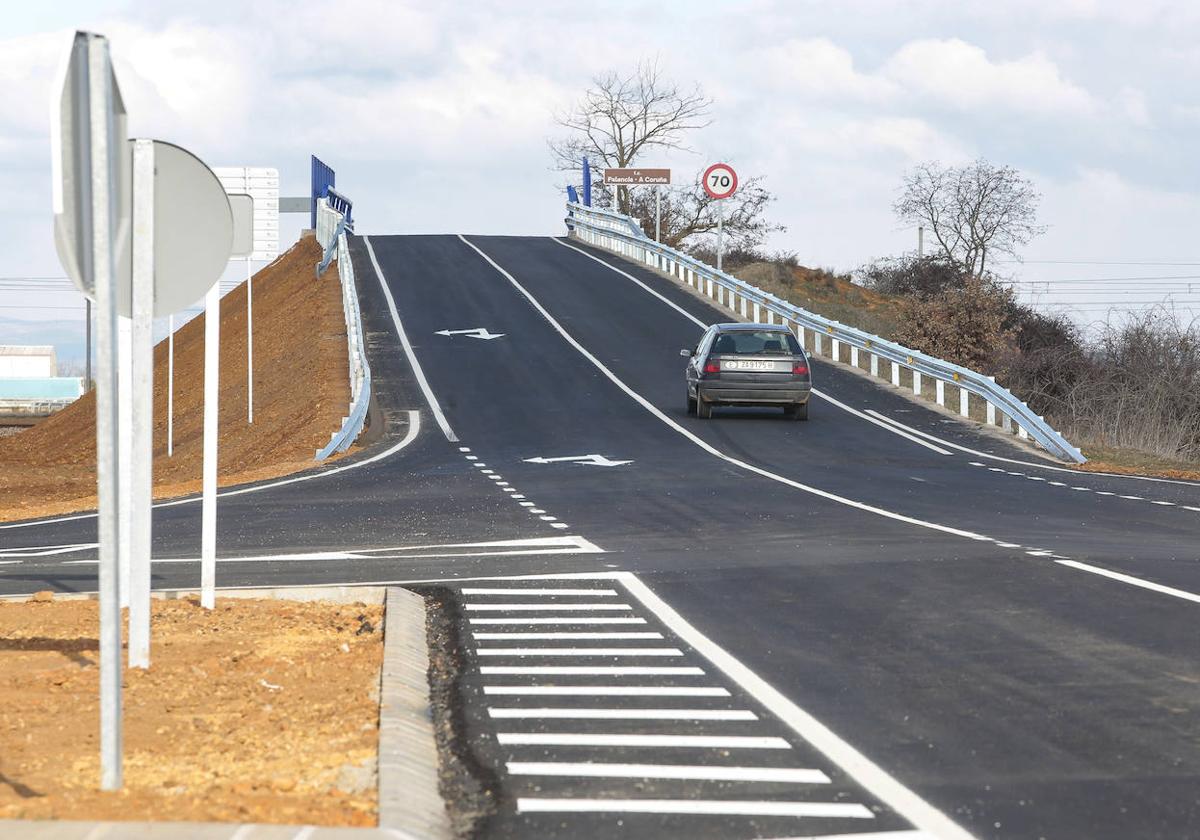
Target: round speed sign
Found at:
x=720, y=181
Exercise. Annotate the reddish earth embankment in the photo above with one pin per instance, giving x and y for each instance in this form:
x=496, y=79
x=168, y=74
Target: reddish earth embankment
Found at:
x=301, y=393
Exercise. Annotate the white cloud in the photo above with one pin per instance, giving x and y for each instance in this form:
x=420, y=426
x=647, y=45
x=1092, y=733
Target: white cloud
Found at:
x=960, y=75
x=818, y=68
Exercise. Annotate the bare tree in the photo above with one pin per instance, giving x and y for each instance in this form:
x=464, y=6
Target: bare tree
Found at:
x=688, y=212
x=972, y=211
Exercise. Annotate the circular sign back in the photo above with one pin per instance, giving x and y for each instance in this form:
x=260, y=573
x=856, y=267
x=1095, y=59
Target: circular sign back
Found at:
x=720, y=181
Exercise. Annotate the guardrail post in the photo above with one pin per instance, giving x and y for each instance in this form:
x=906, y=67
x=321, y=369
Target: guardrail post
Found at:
x=1006, y=424
x=1022, y=433
x=964, y=401
x=854, y=355
x=874, y=364
x=916, y=382
x=896, y=374
x=757, y=318
x=991, y=413
x=941, y=393
x=816, y=343
x=835, y=349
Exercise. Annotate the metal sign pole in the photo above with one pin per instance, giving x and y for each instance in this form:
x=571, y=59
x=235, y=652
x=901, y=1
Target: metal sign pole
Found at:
x=249, y=343
x=170, y=385
x=657, y=213
x=93, y=98
x=720, y=220
x=208, y=514
x=87, y=342
x=140, y=491
x=125, y=461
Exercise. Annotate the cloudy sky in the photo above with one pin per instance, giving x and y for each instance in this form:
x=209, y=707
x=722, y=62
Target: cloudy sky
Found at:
x=436, y=115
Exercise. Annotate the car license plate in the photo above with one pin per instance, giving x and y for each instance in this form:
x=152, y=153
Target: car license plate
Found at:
x=748, y=364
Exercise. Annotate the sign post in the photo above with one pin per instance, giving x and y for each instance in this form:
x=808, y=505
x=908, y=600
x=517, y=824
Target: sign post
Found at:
x=641, y=177
x=720, y=182
x=87, y=139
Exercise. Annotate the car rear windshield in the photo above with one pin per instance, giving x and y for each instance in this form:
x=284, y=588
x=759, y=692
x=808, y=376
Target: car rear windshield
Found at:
x=756, y=343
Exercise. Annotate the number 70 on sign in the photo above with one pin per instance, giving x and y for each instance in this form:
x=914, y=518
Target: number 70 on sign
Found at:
x=720, y=181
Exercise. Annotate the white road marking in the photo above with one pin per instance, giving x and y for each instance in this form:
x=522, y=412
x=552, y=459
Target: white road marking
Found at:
x=464, y=449
x=1160, y=502
x=594, y=671
x=558, y=525
x=536, y=510
x=866, y=772
x=603, y=739
x=869, y=835
x=1133, y=498
x=622, y=714
x=697, y=807
x=520, y=496
x=47, y=550
x=528, y=504
x=694, y=772
x=709, y=448
x=596, y=651
x=414, y=427
x=562, y=636
x=1189, y=507
x=517, y=590
x=1131, y=580
x=567, y=619
x=704, y=326
x=609, y=690
x=1001, y=458
x=550, y=606
x=430, y=398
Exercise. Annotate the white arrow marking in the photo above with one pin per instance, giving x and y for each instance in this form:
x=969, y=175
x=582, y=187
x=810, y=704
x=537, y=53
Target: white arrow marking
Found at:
x=594, y=460
x=478, y=332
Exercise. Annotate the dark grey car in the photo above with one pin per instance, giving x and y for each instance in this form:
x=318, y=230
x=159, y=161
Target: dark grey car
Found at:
x=748, y=364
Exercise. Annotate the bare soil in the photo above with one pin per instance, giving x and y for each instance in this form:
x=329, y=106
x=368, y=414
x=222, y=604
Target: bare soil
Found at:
x=301, y=393
x=1134, y=462
x=258, y=711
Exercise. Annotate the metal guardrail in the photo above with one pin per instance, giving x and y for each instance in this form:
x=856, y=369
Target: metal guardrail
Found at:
x=620, y=233
x=360, y=370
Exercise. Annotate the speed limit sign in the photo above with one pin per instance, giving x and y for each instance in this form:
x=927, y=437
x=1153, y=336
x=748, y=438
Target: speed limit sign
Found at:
x=720, y=181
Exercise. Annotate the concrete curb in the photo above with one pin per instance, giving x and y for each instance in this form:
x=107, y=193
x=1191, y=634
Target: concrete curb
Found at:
x=410, y=807
x=408, y=758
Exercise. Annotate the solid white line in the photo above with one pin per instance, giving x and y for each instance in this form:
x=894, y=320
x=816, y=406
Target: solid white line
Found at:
x=609, y=690
x=1131, y=580
x=566, y=619
x=414, y=427
x=598, y=670
x=698, y=322
x=866, y=772
x=650, y=407
x=434, y=406
x=695, y=772
x=697, y=807
x=1075, y=472
x=47, y=550
x=868, y=835
x=600, y=739
x=623, y=714
x=547, y=607
x=646, y=635
x=598, y=651
x=514, y=590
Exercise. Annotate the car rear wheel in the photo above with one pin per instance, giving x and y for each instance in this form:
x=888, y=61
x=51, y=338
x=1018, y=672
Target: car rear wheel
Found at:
x=799, y=411
x=703, y=409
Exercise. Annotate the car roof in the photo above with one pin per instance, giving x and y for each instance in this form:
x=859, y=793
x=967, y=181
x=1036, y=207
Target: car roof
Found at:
x=738, y=327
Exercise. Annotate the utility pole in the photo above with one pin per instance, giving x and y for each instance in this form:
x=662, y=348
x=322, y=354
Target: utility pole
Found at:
x=920, y=241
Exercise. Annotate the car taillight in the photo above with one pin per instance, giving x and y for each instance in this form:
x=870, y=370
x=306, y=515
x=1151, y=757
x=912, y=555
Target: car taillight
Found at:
x=800, y=369
x=712, y=367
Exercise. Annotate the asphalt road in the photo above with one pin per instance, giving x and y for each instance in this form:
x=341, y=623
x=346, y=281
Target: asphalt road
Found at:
x=1012, y=644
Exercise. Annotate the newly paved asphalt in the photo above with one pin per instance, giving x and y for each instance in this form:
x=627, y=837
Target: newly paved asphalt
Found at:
x=945, y=614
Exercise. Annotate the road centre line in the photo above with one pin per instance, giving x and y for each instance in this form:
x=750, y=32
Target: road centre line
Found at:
x=621, y=714
x=1131, y=580
x=473, y=607
x=598, y=651
x=594, y=671
x=624, y=739
x=432, y=400
x=692, y=772
x=712, y=450
x=1054, y=467
x=705, y=326
x=609, y=690
x=563, y=636
x=601, y=619
x=698, y=807
x=522, y=592
x=414, y=427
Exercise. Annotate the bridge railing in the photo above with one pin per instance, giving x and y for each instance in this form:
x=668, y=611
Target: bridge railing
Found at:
x=331, y=235
x=993, y=404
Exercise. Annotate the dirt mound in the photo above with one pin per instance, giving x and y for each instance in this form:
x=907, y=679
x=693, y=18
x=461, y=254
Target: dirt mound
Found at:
x=301, y=393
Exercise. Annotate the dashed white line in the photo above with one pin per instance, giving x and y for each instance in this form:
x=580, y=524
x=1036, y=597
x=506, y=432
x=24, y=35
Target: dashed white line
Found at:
x=602, y=739
x=565, y=619
x=522, y=713
x=515, y=590
x=609, y=690
x=691, y=772
x=535, y=607
x=594, y=671
x=697, y=807
x=596, y=651
x=565, y=636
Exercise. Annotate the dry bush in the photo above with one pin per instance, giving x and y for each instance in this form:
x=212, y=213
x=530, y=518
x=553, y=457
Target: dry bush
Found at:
x=967, y=325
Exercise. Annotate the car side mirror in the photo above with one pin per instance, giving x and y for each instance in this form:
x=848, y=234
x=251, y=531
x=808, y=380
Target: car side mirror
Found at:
x=687, y=354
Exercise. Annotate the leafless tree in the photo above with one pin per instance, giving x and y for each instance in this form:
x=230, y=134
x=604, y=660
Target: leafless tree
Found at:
x=688, y=212
x=973, y=211
x=621, y=117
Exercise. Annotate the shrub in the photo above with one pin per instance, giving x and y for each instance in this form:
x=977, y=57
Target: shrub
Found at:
x=920, y=276
x=967, y=325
